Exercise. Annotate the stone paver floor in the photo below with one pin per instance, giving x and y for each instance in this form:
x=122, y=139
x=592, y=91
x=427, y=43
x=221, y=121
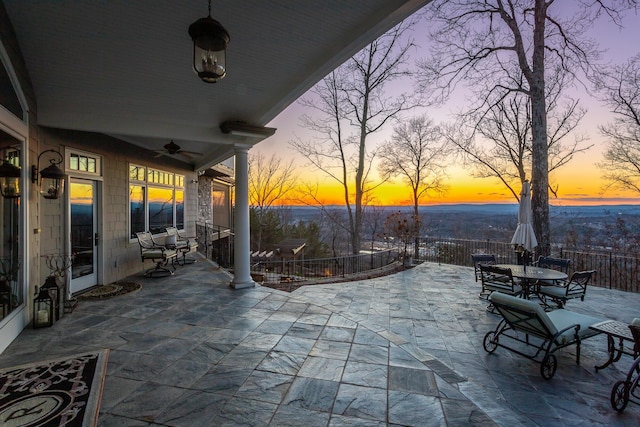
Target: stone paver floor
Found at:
x=405, y=349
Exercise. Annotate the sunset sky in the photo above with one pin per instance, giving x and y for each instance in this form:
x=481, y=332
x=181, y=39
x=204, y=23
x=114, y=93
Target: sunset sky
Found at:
x=579, y=182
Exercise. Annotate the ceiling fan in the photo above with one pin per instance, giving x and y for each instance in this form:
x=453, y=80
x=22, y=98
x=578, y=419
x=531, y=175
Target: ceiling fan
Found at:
x=172, y=148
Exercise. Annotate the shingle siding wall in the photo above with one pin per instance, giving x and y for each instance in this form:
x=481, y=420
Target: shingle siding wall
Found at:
x=120, y=255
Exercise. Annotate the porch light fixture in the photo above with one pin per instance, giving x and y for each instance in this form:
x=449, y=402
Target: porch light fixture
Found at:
x=210, y=41
x=9, y=180
x=51, y=178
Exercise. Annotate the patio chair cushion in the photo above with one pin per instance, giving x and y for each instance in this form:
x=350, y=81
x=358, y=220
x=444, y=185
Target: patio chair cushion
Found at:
x=575, y=287
x=555, y=291
x=158, y=253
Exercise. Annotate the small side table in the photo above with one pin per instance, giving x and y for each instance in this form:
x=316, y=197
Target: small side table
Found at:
x=614, y=329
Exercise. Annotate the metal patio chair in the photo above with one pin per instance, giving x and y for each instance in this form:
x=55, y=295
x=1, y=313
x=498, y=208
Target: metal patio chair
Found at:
x=498, y=279
x=161, y=255
x=575, y=287
x=487, y=259
x=184, y=245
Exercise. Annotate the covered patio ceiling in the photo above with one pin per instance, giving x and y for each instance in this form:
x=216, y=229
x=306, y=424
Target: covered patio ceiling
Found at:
x=123, y=68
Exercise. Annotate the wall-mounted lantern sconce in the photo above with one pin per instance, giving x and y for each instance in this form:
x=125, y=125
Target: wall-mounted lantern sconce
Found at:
x=210, y=41
x=9, y=180
x=51, y=178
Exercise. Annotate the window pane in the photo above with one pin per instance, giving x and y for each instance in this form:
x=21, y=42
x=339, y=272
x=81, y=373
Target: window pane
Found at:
x=136, y=173
x=219, y=208
x=73, y=162
x=160, y=209
x=8, y=96
x=180, y=209
x=136, y=206
x=92, y=165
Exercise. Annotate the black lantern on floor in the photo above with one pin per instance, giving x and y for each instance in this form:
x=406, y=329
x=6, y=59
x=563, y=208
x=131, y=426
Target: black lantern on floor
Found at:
x=51, y=286
x=43, y=307
x=9, y=180
x=51, y=178
x=210, y=41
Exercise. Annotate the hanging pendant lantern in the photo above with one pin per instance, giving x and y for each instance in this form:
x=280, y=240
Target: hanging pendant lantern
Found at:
x=210, y=41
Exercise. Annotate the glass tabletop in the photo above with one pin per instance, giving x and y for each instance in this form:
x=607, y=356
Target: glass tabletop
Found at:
x=534, y=273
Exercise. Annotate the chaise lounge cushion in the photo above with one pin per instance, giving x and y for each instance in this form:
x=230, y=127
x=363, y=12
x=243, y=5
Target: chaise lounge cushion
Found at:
x=554, y=321
x=564, y=318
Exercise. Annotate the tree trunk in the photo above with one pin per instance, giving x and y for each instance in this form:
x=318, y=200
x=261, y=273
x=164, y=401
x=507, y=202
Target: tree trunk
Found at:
x=540, y=148
x=416, y=241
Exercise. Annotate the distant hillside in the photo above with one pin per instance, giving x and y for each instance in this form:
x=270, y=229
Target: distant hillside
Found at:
x=498, y=221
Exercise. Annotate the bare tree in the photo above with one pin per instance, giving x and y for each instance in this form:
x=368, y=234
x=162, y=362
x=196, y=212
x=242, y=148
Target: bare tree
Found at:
x=348, y=106
x=621, y=89
x=497, y=143
x=490, y=44
x=270, y=180
x=416, y=154
x=374, y=216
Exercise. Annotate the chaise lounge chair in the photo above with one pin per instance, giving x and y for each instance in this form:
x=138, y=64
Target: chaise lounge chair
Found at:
x=526, y=322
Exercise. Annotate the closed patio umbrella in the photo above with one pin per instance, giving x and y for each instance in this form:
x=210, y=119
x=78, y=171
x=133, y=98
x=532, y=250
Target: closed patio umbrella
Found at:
x=524, y=239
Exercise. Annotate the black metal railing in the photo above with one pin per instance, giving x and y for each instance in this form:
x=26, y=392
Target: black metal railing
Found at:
x=275, y=271
x=215, y=242
x=613, y=271
x=458, y=251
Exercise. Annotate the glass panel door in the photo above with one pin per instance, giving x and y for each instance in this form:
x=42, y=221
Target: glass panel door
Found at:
x=11, y=287
x=84, y=237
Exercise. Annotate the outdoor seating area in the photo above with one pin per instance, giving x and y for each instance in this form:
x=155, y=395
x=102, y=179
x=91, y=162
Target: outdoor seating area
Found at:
x=187, y=349
x=547, y=280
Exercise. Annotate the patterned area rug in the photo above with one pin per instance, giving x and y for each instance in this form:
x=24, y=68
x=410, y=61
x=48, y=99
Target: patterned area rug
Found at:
x=111, y=290
x=61, y=392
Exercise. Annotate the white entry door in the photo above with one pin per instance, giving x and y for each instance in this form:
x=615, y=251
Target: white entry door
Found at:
x=83, y=209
